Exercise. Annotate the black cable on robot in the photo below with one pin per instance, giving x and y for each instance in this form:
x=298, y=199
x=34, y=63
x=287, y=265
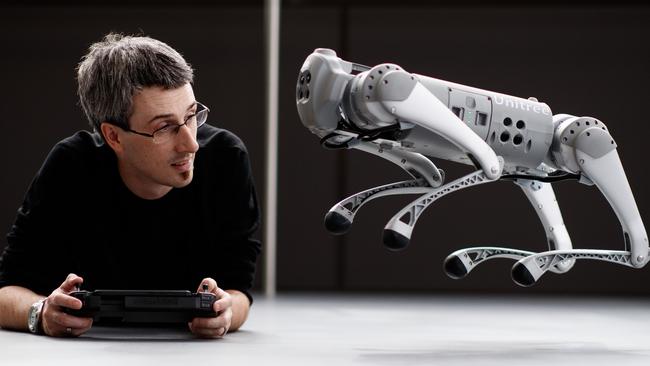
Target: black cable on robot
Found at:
x=553, y=177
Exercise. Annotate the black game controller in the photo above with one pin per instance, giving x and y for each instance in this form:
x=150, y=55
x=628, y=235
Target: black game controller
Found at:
x=136, y=306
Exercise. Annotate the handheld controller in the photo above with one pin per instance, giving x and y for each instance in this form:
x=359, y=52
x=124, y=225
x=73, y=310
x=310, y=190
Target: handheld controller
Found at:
x=139, y=306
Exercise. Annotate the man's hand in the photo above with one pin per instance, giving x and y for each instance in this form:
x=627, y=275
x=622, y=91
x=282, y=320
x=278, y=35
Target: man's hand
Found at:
x=56, y=323
x=214, y=327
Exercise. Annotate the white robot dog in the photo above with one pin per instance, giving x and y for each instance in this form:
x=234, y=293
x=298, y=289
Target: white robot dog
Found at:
x=407, y=118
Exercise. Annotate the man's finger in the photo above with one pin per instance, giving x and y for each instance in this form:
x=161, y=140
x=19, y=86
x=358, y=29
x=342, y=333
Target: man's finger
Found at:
x=76, y=332
x=223, y=303
x=71, y=332
x=68, y=321
x=209, y=333
x=60, y=299
x=212, y=285
x=218, y=322
x=71, y=283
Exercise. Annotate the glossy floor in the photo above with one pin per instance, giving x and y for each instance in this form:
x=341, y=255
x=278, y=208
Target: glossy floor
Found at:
x=338, y=330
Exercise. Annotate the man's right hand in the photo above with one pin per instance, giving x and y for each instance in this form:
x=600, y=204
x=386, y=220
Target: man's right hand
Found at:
x=55, y=322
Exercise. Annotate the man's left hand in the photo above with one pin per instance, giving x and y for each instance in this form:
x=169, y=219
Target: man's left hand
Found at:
x=214, y=327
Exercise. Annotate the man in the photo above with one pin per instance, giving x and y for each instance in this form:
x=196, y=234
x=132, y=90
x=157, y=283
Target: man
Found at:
x=150, y=200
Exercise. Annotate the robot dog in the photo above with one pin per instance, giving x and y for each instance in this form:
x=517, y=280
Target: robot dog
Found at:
x=406, y=118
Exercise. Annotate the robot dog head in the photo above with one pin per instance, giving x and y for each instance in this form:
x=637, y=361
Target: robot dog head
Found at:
x=318, y=102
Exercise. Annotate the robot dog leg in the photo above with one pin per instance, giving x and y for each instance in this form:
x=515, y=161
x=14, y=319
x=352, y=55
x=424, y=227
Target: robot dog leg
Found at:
x=397, y=233
x=542, y=198
x=339, y=218
x=459, y=263
x=584, y=145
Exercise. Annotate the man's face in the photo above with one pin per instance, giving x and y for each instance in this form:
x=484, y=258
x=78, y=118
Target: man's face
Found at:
x=152, y=169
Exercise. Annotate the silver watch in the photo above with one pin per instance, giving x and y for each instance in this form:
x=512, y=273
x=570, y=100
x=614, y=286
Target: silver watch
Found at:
x=34, y=317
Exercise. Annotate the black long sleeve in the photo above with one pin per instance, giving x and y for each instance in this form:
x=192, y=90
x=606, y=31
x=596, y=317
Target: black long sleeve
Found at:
x=79, y=217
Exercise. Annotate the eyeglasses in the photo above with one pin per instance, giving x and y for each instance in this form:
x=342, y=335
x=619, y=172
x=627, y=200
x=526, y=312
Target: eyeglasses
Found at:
x=166, y=133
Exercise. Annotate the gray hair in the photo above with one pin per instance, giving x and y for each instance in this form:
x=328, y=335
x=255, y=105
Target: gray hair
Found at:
x=117, y=67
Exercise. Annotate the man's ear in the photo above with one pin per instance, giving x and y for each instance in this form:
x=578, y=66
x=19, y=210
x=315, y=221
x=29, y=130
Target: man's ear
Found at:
x=111, y=136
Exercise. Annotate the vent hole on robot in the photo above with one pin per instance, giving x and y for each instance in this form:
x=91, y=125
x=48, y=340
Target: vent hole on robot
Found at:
x=481, y=119
x=521, y=124
x=385, y=81
x=577, y=123
x=307, y=94
x=493, y=137
x=388, y=66
x=507, y=121
x=587, y=123
x=308, y=78
x=372, y=77
x=406, y=218
x=588, y=133
x=565, y=139
x=529, y=144
x=518, y=139
x=572, y=132
x=603, y=128
x=505, y=136
x=595, y=122
x=458, y=111
x=370, y=87
x=300, y=94
x=612, y=142
x=302, y=79
x=368, y=97
x=381, y=72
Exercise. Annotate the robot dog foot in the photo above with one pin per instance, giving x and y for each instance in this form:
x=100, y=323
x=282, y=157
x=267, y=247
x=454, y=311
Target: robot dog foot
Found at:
x=528, y=270
x=340, y=217
x=395, y=241
x=459, y=263
x=337, y=223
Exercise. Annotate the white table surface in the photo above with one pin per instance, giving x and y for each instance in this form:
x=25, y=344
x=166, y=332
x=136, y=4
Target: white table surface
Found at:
x=335, y=330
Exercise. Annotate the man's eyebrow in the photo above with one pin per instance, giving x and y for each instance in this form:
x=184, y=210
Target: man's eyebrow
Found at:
x=168, y=115
x=160, y=116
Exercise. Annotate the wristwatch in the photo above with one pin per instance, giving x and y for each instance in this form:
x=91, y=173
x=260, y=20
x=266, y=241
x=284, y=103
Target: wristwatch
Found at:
x=34, y=317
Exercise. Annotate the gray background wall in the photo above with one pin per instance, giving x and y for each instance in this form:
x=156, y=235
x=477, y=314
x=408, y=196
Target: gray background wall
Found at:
x=590, y=61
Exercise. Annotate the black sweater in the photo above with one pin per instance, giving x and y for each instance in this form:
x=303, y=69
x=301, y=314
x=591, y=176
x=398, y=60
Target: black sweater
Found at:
x=79, y=217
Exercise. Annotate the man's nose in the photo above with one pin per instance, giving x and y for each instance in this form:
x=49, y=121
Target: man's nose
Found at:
x=186, y=140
